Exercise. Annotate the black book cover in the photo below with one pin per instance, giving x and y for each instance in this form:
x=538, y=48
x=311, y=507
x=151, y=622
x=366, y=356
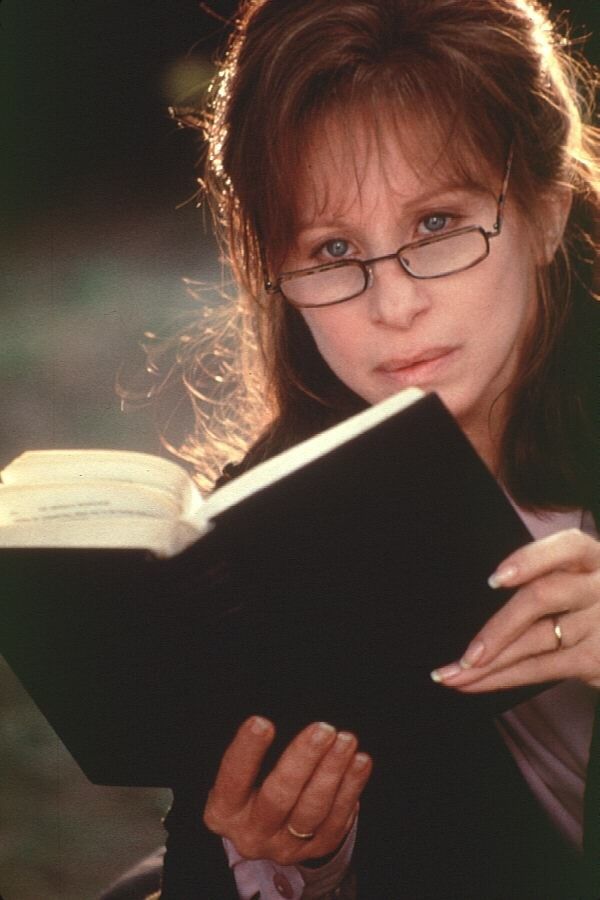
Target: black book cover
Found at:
x=328, y=595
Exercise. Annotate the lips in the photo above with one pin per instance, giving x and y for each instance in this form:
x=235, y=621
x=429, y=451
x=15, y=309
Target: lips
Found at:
x=400, y=364
x=425, y=369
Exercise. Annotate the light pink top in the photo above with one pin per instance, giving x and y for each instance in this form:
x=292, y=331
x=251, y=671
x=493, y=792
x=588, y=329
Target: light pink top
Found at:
x=549, y=737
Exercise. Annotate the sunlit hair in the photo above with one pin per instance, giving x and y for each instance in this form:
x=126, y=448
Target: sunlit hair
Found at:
x=479, y=76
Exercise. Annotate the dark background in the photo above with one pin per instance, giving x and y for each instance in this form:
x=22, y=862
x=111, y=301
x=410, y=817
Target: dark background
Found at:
x=98, y=230
x=99, y=227
x=97, y=188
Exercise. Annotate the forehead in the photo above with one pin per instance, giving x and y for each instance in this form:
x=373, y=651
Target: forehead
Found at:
x=362, y=157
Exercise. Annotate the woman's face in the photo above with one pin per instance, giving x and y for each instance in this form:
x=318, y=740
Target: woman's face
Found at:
x=458, y=335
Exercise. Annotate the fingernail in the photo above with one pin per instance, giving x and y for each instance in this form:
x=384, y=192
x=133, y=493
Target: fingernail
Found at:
x=502, y=576
x=321, y=734
x=342, y=742
x=446, y=672
x=472, y=654
x=259, y=725
x=361, y=760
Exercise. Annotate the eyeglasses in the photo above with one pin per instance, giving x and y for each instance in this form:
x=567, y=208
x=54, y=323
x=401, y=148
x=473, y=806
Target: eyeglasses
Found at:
x=431, y=257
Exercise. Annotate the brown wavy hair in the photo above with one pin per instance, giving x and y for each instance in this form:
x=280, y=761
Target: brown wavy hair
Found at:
x=484, y=75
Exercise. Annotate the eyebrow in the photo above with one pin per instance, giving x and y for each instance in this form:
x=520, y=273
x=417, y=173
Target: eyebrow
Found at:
x=442, y=192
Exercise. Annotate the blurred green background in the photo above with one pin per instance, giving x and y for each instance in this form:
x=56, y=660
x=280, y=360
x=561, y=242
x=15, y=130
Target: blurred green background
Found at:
x=99, y=229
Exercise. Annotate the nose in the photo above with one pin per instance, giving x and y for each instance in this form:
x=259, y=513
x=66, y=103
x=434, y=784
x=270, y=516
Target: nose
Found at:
x=395, y=299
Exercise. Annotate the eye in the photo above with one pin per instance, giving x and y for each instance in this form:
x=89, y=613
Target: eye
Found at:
x=434, y=223
x=337, y=248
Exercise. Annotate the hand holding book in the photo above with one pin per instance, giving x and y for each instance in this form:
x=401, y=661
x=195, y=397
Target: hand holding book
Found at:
x=306, y=805
x=549, y=629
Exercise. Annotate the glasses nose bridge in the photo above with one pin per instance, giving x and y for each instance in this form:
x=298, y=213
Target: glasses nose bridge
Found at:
x=394, y=302
x=370, y=263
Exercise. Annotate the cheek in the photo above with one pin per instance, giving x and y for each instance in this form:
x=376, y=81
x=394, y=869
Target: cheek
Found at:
x=505, y=306
x=522, y=313
x=336, y=337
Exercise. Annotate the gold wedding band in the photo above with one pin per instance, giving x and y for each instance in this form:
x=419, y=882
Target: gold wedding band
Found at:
x=557, y=632
x=301, y=835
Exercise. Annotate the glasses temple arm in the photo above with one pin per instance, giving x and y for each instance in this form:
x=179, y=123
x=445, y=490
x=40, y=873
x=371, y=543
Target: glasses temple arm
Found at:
x=503, y=191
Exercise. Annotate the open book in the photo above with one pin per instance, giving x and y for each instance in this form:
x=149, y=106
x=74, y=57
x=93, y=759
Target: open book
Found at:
x=112, y=498
x=324, y=584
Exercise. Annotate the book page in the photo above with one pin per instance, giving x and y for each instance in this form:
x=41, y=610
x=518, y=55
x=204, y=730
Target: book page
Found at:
x=163, y=537
x=86, y=467
x=49, y=503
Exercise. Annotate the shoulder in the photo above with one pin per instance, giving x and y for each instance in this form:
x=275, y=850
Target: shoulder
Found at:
x=266, y=446
x=233, y=469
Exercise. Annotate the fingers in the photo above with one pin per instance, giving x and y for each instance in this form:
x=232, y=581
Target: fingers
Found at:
x=533, y=670
x=238, y=770
x=345, y=803
x=539, y=638
x=282, y=787
x=315, y=787
x=538, y=656
x=570, y=550
x=316, y=800
x=330, y=798
x=546, y=596
x=558, y=576
x=328, y=805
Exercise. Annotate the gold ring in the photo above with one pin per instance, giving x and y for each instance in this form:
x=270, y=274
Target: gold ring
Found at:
x=302, y=835
x=557, y=632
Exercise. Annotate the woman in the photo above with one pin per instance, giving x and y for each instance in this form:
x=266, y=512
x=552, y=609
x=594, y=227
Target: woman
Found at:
x=455, y=131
